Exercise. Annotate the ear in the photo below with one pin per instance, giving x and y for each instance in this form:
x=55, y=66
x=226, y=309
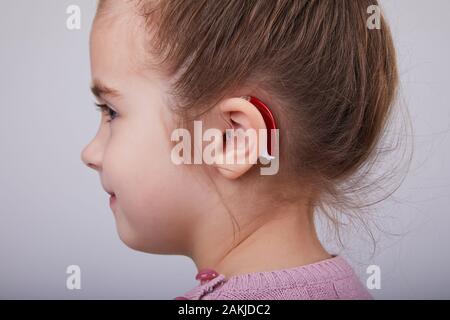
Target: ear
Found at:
x=240, y=128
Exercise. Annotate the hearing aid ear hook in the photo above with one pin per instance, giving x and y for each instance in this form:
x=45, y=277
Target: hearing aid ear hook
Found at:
x=270, y=124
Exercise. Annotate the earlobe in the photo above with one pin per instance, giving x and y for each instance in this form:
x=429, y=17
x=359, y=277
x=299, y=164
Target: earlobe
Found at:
x=228, y=136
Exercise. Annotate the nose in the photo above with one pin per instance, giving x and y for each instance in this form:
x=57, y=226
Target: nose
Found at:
x=92, y=155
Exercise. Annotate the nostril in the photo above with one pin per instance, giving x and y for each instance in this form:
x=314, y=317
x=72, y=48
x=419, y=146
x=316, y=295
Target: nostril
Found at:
x=92, y=166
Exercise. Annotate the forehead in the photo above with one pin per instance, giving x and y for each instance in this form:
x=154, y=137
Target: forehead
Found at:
x=117, y=40
x=115, y=6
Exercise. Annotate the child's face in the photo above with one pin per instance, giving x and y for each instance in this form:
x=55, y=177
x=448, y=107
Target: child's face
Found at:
x=153, y=209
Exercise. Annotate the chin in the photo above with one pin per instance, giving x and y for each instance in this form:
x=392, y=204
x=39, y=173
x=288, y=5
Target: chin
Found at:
x=134, y=242
x=130, y=239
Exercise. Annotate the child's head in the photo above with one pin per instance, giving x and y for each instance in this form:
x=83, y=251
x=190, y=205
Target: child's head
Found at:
x=327, y=78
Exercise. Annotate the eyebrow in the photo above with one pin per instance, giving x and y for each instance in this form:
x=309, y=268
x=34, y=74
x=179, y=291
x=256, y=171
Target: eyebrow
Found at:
x=99, y=90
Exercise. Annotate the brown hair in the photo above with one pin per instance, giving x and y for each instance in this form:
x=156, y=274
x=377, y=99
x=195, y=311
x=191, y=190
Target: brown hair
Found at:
x=329, y=80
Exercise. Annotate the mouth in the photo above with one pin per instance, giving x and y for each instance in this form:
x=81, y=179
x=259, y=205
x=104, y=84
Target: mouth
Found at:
x=112, y=198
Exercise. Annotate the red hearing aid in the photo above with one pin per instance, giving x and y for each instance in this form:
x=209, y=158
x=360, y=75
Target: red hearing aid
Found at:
x=268, y=117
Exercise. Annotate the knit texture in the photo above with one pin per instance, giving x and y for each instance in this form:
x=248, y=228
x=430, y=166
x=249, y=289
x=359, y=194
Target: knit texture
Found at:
x=329, y=279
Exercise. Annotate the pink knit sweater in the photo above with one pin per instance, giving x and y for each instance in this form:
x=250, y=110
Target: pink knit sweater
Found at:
x=332, y=278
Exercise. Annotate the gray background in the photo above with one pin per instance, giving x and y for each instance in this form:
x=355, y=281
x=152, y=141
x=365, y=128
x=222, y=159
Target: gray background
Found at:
x=54, y=212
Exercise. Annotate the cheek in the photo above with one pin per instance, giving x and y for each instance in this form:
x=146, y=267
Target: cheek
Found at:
x=151, y=203
x=139, y=170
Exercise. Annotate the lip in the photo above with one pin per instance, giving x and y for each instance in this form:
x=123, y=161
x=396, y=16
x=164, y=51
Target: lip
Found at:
x=112, y=199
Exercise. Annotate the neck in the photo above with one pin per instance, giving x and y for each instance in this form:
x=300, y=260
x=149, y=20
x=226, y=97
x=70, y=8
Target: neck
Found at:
x=288, y=239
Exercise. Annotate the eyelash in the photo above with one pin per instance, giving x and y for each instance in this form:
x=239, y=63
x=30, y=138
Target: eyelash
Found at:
x=107, y=111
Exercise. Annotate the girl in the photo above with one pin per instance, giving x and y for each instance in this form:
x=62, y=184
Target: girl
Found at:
x=310, y=68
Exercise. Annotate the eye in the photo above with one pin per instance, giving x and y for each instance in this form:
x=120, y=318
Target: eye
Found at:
x=107, y=111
